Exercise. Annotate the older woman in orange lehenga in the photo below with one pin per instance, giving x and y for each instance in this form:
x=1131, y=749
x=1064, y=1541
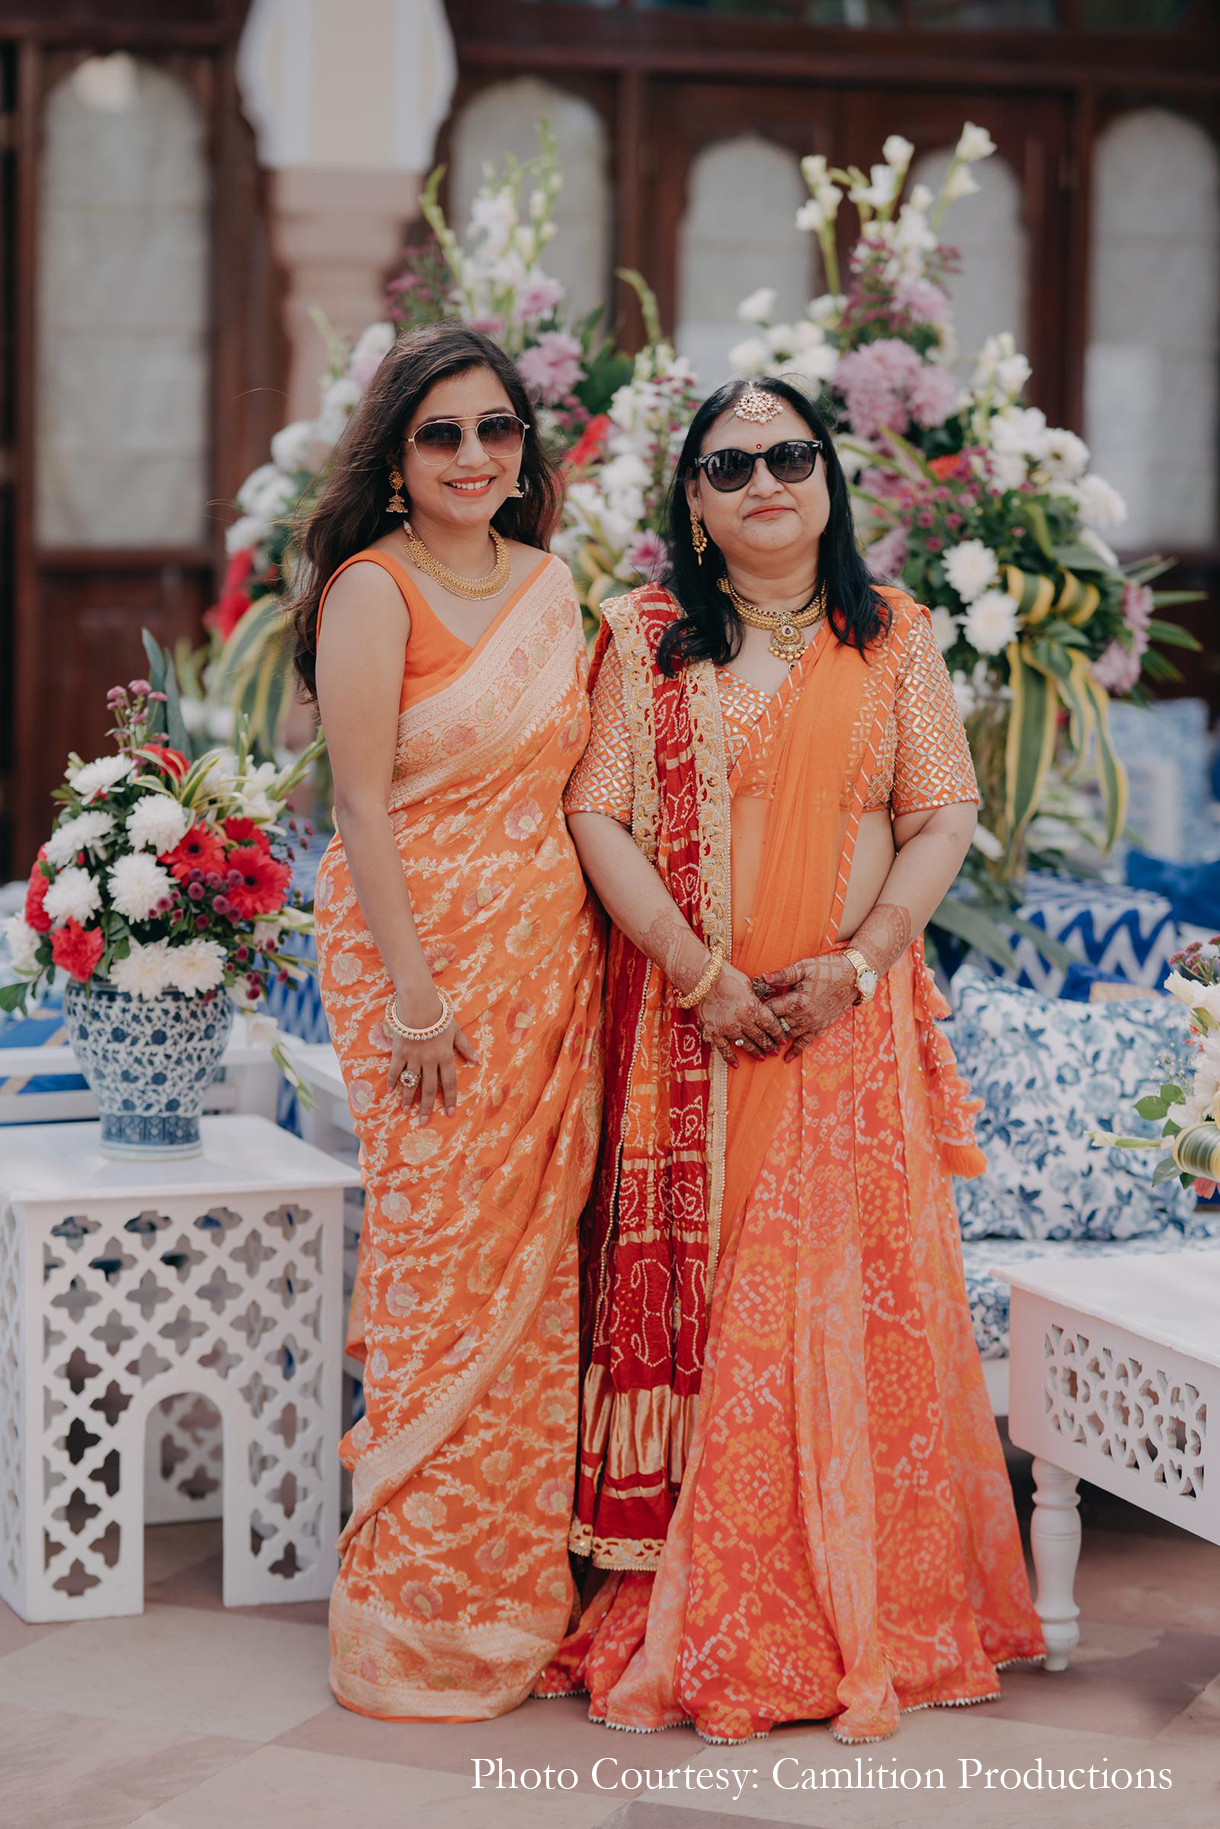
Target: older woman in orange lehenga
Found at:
x=460, y=963
x=788, y=1459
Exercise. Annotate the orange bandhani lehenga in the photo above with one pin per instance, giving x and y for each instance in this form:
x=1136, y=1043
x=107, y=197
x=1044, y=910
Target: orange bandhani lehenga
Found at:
x=783, y=1411
x=454, y=1588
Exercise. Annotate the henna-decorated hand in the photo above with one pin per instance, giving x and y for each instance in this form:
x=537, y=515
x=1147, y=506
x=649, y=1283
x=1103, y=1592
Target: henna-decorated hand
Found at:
x=732, y=1012
x=808, y=996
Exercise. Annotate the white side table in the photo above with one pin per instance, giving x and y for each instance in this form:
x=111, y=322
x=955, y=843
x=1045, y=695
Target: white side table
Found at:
x=123, y=1284
x=1115, y=1378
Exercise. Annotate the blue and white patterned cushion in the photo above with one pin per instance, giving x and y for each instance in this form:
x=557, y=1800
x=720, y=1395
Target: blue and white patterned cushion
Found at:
x=1128, y=932
x=988, y=1296
x=1048, y=1072
x=1173, y=731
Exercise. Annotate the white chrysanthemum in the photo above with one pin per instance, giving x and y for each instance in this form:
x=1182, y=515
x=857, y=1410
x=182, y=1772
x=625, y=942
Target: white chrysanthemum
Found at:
x=157, y=823
x=137, y=884
x=1020, y=431
x=101, y=776
x=292, y=447
x=144, y=972
x=195, y=968
x=991, y=622
x=22, y=944
x=758, y=307
x=970, y=568
x=252, y=491
x=84, y=833
x=1065, y=456
x=944, y=627
x=1100, y=503
x=748, y=358
x=73, y=896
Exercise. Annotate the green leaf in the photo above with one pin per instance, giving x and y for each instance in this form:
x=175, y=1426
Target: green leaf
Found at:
x=1172, y=1095
x=1036, y=518
x=1165, y=1170
x=1074, y=556
x=167, y=682
x=1152, y=1107
x=1161, y=598
x=967, y=921
x=1159, y=667
x=1173, y=635
x=13, y=996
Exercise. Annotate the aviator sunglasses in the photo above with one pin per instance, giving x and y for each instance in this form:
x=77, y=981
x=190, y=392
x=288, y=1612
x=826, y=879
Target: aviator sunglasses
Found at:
x=790, y=461
x=439, y=440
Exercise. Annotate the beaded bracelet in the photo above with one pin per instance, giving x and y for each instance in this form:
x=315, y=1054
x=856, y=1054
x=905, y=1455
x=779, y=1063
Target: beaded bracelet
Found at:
x=710, y=974
x=394, y=1020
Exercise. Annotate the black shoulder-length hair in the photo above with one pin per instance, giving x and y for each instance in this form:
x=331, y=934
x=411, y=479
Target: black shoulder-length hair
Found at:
x=350, y=511
x=709, y=628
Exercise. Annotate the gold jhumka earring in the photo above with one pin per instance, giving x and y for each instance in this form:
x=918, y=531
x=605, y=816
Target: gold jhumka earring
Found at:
x=396, y=504
x=698, y=536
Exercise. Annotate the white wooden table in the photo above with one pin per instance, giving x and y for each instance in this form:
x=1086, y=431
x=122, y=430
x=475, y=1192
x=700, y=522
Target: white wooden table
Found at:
x=125, y=1284
x=1115, y=1378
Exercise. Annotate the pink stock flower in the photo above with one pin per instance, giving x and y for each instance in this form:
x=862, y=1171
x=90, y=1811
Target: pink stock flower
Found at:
x=924, y=301
x=886, y=384
x=648, y=555
x=538, y=298
x=490, y=326
x=1138, y=608
x=931, y=394
x=552, y=366
x=1116, y=668
x=887, y=556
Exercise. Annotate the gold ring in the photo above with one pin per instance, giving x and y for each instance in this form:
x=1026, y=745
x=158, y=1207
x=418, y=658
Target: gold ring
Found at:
x=410, y=1080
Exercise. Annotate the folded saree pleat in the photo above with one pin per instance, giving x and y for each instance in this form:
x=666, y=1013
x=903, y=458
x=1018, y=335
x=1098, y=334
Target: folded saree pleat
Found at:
x=454, y=1587
x=843, y=1545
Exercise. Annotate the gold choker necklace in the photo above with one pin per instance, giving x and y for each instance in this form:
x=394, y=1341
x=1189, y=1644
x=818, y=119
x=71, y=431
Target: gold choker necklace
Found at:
x=488, y=586
x=785, y=625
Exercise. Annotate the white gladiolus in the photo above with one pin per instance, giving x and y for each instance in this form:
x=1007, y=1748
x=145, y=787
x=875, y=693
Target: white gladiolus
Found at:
x=1100, y=503
x=991, y=622
x=811, y=217
x=84, y=833
x=73, y=896
x=157, y=823
x=137, y=884
x=750, y=357
x=921, y=198
x=492, y=220
x=249, y=530
x=23, y=945
x=964, y=695
x=377, y=341
x=880, y=190
x=974, y=143
x=251, y=493
x=897, y=152
x=970, y=568
x=1012, y=373
x=814, y=169
x=944, y=628
x=627, y=471
x=253, y=793
x=144, y=972
x=338, y=401
x=197, y=967
x=292, y=446
x=100, y=777
x=958, y=184
x=757, y=309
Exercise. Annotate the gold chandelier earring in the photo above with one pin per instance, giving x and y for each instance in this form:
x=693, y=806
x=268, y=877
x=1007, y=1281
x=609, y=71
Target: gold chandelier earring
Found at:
x=698, y=536
x=516, y=492
x=396, y=504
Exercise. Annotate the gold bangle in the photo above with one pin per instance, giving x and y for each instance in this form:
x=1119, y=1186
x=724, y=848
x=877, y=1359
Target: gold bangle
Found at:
x=394, y=1020
x=711, y=972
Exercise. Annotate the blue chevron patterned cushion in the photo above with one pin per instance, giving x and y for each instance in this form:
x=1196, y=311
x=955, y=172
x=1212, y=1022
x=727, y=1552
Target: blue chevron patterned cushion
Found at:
x=1120, y=930
x=1050, y=1071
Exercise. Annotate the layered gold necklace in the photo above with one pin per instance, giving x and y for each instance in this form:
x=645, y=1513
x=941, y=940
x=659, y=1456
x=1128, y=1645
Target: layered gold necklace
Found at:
x=787, y=642
x=489, y=585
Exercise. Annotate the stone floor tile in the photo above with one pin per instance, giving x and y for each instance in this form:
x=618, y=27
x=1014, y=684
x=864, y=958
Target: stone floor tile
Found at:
x=62, y=1771
x=15, y=1633
x=1200, y=1721
x=169, y=1549
x=640, y=1815
x=1138, y=1578
x=201, y=1585
x=279, y=1786
x=1122, y=1679
x=187, y=1671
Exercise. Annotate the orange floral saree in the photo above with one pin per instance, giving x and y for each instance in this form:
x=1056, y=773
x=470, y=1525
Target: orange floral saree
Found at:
x=842, y=1542
x=454, y=1587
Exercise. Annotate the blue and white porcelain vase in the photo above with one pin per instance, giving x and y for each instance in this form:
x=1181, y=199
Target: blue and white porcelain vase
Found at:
x=149, y=1061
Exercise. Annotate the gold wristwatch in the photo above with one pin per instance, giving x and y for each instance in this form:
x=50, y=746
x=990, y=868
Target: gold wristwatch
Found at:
x=866, y=975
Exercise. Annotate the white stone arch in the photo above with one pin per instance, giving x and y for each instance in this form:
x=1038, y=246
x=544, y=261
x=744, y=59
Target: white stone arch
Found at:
x=738, y=233
x=991, y=292
x=123, y=309
x=503, y=119
x=1151, y=396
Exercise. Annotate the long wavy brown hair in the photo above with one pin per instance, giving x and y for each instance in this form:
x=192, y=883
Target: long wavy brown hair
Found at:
x=350, y=512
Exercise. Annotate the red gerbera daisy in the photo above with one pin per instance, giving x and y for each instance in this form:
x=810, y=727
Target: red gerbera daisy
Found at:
x=200, y=849
x=76, y=949
x=245, y=832
x=264, y=883
x=35, y=895
x=171, y=760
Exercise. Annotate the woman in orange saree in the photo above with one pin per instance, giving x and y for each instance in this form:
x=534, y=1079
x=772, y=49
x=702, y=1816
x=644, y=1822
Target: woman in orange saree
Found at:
x=787, y=1454
x=454, y=705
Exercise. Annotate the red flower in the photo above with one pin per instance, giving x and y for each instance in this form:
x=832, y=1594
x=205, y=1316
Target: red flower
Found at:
x=77, y=949
x=35, y=895
x=245, y=832
x=240, y=565
x=200, y=849
x=264, y=882
x=171, y=760
x=223, y=617
x=589, y=443
x=956, y=465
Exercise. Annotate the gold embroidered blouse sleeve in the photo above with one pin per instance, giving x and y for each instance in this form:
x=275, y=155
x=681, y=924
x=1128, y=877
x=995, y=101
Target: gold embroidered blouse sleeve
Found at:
x=932, y=763
x=603, y=779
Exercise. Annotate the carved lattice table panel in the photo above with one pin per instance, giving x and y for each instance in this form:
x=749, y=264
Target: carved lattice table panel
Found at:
x=1115, y=1378
x=140, y=1305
